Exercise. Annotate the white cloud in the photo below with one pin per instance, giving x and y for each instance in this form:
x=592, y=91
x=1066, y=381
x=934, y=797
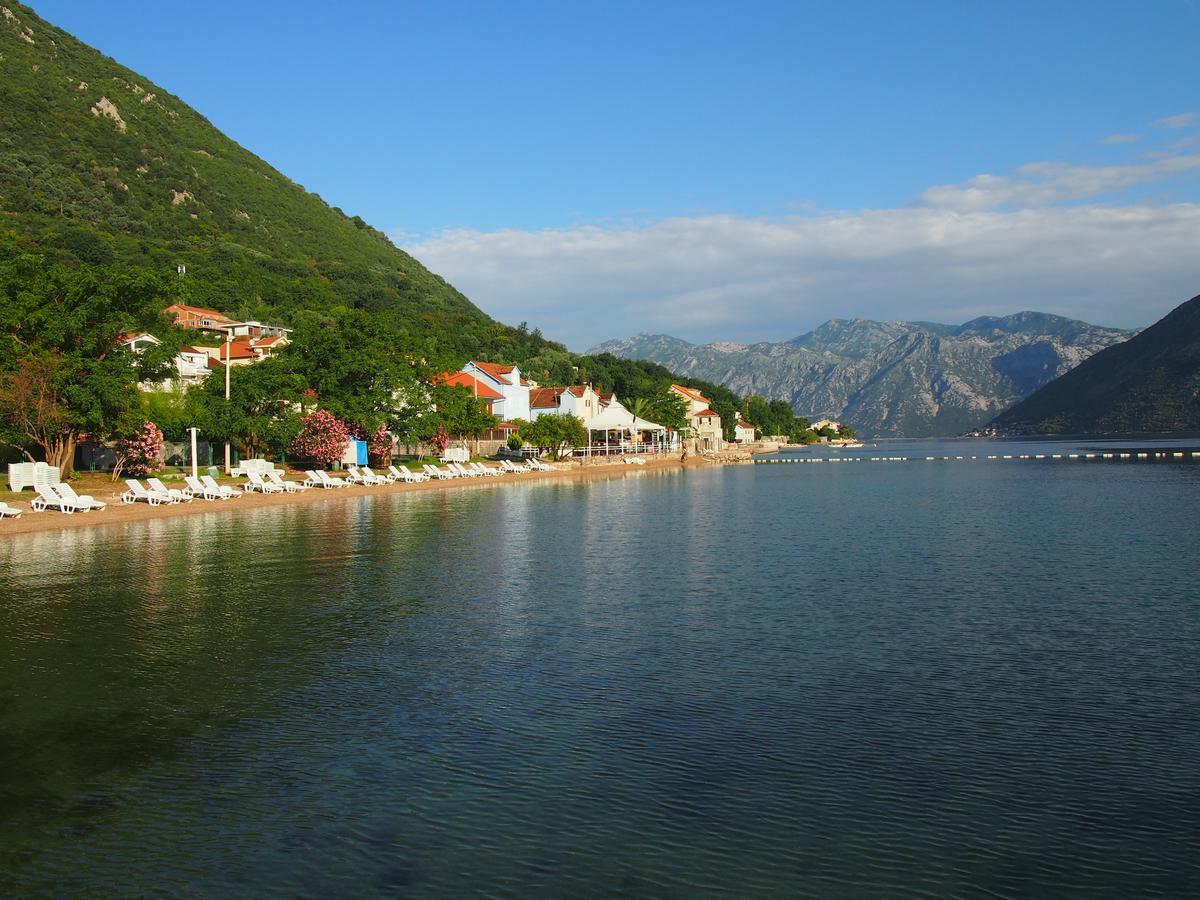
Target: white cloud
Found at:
x=1121, y=139
x=1046, y=183
x=1182, y=120
x=727, y=277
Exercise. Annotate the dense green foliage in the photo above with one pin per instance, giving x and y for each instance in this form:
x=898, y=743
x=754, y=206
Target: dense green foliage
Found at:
x=777, y=418
x=162, y=187
x=62, y=372
x=555, y=434
x=1150, y=383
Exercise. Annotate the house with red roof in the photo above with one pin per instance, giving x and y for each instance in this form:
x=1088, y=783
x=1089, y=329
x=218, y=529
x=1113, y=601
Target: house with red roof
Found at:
x=508, y=382
x=580, y=400
x=477, y=386
x=704, y=422
x=743, y=431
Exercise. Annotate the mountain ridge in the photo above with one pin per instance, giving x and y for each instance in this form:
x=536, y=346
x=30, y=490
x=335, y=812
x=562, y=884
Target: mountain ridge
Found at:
x=1150, y=383
x=890, y=378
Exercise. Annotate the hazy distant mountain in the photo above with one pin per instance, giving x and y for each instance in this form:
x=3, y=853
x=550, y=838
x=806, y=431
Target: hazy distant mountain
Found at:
x=913, y=379
x=1149, y=383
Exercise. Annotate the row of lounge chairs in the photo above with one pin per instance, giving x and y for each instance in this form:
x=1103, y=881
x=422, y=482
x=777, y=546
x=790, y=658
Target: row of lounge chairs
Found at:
x=154, y=493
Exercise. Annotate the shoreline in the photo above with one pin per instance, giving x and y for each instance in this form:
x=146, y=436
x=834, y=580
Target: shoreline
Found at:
x=118, y=513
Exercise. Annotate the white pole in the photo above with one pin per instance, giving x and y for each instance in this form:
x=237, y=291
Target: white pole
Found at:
x=195, y=471
x=228, y=348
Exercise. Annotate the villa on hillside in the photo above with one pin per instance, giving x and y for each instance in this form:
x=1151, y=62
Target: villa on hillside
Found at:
x=243, y=351
x=579, y=400
x=508, y=383
x=704, y=422
x=191, y=365
x=199, y=318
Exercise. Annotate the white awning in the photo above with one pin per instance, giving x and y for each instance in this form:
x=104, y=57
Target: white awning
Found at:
x=616, y=417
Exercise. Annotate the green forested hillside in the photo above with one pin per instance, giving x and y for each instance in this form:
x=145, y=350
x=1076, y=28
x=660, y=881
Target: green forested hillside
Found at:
x=99, y=165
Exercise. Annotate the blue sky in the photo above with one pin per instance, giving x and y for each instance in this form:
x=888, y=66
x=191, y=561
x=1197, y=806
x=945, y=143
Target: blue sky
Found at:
x=721, y=171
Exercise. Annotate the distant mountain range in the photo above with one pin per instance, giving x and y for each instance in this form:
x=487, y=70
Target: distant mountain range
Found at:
x=891, y=379
x=1150, y=383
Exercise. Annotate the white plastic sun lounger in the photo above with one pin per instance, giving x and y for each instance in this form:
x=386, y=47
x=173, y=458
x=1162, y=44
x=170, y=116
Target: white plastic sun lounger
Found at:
x=509, y=466
x=47, y=498
x=440, y=474
x=223, y=490
x=196, y=489
x=379, y=479
x=137, y=492
x=292, y=487
x=9, y=512
x=83, y=502
x=176, y=495
x=407, y=475
x=486, y=470
x=462, y=471
x=330, y=481
x=256, y=483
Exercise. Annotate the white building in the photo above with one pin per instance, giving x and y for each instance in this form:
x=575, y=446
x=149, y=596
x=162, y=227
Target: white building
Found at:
x=579, y=400
x=507, y=381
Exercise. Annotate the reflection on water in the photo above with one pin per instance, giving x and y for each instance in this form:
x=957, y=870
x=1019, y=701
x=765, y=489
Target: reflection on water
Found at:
x=824, y=681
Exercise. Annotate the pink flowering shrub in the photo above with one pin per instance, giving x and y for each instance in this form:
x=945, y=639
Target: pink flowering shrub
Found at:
x=140, y=454
x=379, y=445
x=441, y=440
x=322, y=438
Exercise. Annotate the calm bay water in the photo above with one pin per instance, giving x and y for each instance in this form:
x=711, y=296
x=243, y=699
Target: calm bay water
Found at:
x=939, y=679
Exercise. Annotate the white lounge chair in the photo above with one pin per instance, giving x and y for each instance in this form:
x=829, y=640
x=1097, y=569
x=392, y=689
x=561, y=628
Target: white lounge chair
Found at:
x=439, y=474
x=462, y=471
x=83, y=502
x=331, y=481
x=224, y=490
x=538, y=466
x=196, y=489
x=382, y=479
x=353, y=477
x=176, y=495
x=48, y=497
x=137, y=493
x=509, y=466
x=406, y=475
x=486, y=470
x=292, y=487
x=366, y=476
x=9, y=512
x=256, y=483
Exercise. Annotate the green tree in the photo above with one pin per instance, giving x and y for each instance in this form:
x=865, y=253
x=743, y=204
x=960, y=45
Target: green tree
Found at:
x=62, y=370
x=456, y=411
x=555, y=433
x=262, y=414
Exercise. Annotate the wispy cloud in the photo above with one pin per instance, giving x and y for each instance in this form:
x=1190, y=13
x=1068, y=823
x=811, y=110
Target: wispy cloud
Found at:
x=728, y=277
x=1041, y=237
x=1182, y=120
x=1046, y=183
x=1121, y=139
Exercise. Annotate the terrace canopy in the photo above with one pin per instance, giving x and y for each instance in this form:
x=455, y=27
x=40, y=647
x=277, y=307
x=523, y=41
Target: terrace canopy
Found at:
x=616, y=420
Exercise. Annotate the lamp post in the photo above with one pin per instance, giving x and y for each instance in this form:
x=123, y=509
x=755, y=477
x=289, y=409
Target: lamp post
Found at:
x=228, y=348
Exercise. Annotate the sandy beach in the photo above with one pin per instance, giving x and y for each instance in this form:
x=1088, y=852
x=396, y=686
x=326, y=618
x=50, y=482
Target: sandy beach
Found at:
x=101, y=487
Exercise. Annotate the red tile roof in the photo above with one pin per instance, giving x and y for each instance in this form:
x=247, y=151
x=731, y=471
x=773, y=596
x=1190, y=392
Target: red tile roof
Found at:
x=742, y=423
x=496, y=370
x=544, y=398
x=462, y=379
x=695, y=395
x=578, y=389
x=705, y=414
